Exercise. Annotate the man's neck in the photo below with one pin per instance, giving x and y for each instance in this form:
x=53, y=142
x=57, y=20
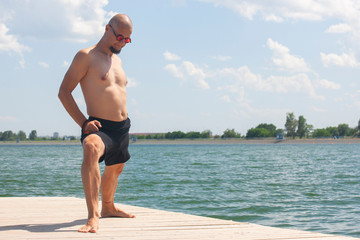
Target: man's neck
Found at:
x=102, y=47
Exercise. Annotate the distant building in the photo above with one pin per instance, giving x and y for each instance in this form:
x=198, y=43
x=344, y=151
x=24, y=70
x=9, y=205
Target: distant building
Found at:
x=55, y=135
x=66, y=138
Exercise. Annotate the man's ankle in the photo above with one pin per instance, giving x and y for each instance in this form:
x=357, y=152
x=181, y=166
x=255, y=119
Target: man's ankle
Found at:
x=107, y=202
x=94, y=215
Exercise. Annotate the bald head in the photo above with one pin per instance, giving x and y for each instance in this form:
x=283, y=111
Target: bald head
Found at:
x=122, y=21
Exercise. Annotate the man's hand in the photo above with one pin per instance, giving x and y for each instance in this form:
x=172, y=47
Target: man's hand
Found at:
x=91, y=126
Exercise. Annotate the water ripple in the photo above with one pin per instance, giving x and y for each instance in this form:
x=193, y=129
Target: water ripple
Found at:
x=309, y=187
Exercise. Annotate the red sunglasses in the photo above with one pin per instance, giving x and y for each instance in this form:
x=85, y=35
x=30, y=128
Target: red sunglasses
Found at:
x=120, y=37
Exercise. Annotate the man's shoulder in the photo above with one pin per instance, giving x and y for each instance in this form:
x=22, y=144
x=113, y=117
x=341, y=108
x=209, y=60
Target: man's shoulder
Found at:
x=85, y=51
x=83, y=55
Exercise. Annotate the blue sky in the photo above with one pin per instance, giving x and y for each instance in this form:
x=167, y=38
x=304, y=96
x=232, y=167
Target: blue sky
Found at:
x=192, y=65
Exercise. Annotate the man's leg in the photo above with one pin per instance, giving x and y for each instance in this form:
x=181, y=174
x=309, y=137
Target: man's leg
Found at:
x=90, y=172
x=109, y=182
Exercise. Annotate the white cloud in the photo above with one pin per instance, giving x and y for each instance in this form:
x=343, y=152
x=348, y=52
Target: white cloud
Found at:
x=187, y=71
x=196, y=73
x=245, y=8
x=351, y=95
x=339, y=28
x=22, y=63
x=66, y=64
x=344, y=60
x=327, y=84
x=277, y=84
x=171, y=56
x=235, y=79
x=44, y=64
x=174, y=70
x=296, y=83
x=284, y=60
x=346, y=11
x=226, y=98
x=86, y=17
x=295, y=9
x=243, y=75
x=131, y=82
x=276, y=9
x=274, y=18
x=75, y=20
x=9, y=43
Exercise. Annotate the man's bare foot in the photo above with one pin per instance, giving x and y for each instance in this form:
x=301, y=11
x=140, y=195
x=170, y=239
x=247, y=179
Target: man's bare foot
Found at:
x=110, y=210
x=91, y=226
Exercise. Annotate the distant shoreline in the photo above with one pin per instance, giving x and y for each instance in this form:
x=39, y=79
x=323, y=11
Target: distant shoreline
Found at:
x=203, y=141
x=245, y=141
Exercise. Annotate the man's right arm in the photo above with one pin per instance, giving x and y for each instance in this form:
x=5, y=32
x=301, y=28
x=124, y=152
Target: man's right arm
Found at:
x=77, y=71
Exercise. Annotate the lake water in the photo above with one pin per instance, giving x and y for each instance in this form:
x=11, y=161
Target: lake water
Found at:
x=305, y=186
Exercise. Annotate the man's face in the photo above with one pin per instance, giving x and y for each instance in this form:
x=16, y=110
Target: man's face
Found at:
x=121, y=40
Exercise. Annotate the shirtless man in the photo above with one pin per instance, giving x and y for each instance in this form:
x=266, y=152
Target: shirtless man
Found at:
x=105, y=135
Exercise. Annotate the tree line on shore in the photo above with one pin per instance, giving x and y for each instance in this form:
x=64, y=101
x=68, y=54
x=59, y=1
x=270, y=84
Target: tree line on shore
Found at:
x=294, y=127
x=21, y=136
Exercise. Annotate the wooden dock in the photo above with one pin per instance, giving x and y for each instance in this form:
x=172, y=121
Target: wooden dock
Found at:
x=60, y=217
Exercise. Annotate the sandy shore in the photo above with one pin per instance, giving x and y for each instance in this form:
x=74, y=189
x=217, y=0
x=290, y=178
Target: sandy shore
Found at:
x=204, y=141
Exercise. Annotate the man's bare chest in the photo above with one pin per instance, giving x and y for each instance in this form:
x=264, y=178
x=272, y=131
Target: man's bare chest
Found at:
x=108, y=75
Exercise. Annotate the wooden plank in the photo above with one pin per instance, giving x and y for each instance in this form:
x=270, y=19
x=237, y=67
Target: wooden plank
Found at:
x=60, y=217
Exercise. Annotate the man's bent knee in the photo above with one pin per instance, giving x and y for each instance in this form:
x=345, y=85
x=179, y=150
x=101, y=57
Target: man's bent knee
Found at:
x=93, y=146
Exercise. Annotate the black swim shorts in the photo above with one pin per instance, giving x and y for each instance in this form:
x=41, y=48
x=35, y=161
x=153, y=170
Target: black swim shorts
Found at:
x=115, y=136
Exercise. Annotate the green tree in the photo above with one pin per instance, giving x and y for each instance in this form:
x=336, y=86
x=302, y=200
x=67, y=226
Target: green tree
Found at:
x=291, y=124
x=156, y=136
x=192, y=135
x=206, y=134
x=310, y=129
x=258, y=132
x=334, y=131
x=33, y=135
x=21, y=135
x=354, y=132
x=320, y=133
x=302, y=128
x=8, y=136
x=175, y=135
x=344, y=129
x=270, y=127
x=159, y=136
x=230, y=133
